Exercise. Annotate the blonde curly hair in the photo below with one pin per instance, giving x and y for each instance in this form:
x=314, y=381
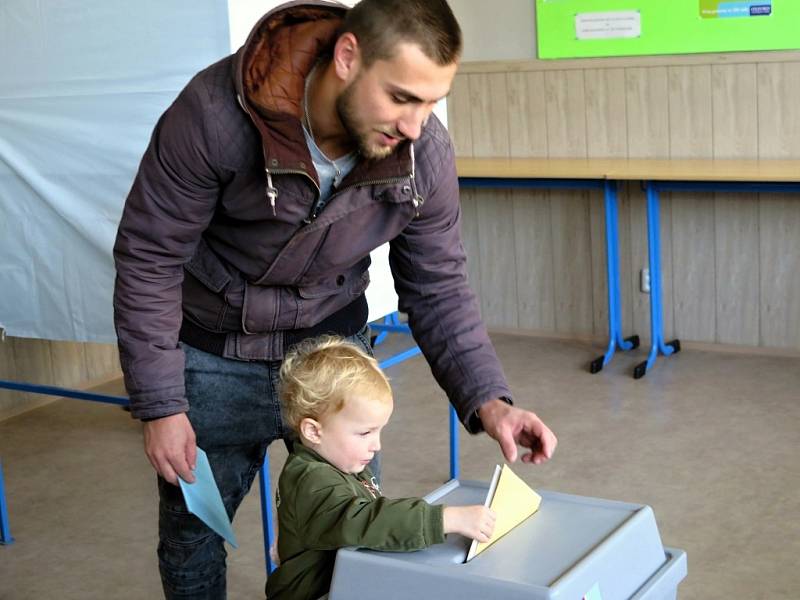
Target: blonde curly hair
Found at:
x=318, y=374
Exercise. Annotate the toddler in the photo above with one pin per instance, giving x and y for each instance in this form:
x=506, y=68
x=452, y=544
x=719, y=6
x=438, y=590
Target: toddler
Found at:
x=337, y=401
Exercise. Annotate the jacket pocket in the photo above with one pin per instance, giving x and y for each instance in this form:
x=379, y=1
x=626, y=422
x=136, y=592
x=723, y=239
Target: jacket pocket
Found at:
x=352, y=282
x=208, y=269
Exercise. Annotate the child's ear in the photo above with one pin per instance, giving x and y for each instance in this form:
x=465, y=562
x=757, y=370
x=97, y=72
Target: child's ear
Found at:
x=311, y=430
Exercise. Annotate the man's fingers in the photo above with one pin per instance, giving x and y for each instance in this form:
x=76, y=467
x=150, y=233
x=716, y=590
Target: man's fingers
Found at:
x=507, y=445
x=167, y=472
x=181, y=467
x=191, y=453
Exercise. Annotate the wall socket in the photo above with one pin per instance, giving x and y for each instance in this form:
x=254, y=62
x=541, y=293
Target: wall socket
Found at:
x=644, y=280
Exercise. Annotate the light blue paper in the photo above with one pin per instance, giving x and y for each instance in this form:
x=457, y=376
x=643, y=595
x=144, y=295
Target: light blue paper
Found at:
x=204, y=501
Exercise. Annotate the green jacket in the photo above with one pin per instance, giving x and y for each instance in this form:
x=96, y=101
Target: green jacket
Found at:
x=322, y=509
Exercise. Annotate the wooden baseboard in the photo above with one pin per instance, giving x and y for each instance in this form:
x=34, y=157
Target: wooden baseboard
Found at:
x=602, y=340
x=40, y=400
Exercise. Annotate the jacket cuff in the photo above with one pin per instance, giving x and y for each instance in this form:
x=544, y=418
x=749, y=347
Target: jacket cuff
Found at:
x=147, y=406
x=472, y=421
x=434, y=526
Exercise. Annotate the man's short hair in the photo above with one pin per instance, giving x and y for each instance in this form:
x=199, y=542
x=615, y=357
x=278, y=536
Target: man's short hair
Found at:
x=380, y=25
x=318, y=374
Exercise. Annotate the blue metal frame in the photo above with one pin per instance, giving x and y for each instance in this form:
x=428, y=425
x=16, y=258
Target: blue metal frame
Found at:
x=657, y=343
x=653, y=189
x=51, y=390
x=5, y=529
x=267, y=526
x=609, y=188
x=615, y=338
x=48, y=390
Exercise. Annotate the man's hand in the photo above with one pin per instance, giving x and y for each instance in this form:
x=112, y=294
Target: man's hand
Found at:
x=474, y=522
x=511, y=426
x=169, y=443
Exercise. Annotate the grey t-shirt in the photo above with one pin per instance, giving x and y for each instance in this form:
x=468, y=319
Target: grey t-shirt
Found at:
x=331, y=172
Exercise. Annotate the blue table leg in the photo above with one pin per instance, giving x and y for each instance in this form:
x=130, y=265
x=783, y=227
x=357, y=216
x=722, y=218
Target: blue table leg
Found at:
x=453, y=443
x=5, y=531
x=654, y=255
x=615, y=338
x=266, y=511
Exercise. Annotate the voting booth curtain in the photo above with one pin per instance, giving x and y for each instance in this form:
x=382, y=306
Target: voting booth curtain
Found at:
x=82, y=83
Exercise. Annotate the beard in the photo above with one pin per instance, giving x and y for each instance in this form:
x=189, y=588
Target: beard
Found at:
x=355, y=128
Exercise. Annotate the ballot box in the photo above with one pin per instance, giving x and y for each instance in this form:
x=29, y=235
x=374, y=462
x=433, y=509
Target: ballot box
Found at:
x=572, y=548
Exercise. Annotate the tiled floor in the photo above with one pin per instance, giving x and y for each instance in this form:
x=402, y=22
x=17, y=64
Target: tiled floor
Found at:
x=711, y=441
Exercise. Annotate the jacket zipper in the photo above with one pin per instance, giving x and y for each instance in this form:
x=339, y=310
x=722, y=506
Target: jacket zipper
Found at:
x=272, y=191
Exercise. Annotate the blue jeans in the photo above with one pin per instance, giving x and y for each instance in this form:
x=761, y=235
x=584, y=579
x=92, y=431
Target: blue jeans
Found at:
x=235, y=412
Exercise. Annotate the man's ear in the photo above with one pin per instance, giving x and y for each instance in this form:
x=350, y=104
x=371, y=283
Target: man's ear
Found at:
x=311, y=430
x=347, y=57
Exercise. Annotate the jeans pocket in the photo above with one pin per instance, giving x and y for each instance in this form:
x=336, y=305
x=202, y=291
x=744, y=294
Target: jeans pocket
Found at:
x=361, y=338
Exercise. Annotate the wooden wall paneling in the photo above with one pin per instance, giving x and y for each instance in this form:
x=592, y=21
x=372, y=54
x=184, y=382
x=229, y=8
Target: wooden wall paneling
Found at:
x=8, y=371
x=69, y=363
x=606, y=123
x=498, y=269
x=599, y=278
x=734, y=94
x=565, y=102
x=469, y=235
x=572, y=262
x=780, y=271
x=565, y=99
x=527, y=113
x=489, y=115
x=693, y=247
x=736, y=223
x=779, y=137
x=34, y=365
x=534, y=260
x=527, y=121
x=606, y=136
x=640, y=301
x=779, y=110
x=694, y=269
x=102, y=361
x=459, y=117
x=495, y=209
x=459, y=123
x=734, y=91
x=690, y=116
x=647, y=113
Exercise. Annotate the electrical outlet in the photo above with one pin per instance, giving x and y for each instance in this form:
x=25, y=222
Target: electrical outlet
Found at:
x=644, y=281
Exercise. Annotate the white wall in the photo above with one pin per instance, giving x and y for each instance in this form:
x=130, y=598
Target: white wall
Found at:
x=500, y=30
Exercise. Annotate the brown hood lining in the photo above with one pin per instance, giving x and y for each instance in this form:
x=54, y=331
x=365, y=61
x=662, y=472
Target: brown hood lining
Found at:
x=282, y=52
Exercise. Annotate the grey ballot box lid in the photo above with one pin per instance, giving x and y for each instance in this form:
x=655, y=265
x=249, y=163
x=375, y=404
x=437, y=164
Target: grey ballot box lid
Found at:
x=569, y=545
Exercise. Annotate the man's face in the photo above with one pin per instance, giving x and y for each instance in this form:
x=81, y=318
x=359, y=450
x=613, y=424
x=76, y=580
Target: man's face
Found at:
x=391, y=100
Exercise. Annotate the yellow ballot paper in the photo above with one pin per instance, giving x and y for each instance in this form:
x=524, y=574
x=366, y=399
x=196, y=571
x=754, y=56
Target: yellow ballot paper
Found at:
x=512, y=501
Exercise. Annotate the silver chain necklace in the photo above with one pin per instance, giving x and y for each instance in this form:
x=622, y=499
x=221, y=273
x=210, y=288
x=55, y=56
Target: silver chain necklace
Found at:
x=307, y=118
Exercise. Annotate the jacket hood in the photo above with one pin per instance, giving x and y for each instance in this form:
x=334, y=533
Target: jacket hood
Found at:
x=281, y=49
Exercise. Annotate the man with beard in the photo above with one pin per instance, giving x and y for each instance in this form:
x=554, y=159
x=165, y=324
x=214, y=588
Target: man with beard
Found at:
x=248, y=228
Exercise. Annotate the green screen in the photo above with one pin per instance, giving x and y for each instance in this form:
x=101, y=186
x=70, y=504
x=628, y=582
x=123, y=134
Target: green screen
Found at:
x=666, y=26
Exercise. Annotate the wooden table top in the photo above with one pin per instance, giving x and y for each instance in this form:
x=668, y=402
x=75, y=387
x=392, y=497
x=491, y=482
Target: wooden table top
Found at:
x=765, y=170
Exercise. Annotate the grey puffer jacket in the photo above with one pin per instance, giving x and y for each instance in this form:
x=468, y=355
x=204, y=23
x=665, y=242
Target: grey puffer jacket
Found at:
x=220, y=228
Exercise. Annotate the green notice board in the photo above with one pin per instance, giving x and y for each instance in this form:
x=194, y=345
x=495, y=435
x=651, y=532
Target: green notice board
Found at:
x=586, y=28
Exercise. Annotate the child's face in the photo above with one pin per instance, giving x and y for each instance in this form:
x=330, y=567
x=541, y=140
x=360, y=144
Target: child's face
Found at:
x=350, y=438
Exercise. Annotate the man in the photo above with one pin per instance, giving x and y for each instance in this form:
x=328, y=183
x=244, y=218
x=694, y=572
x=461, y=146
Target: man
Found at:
x=248, y=228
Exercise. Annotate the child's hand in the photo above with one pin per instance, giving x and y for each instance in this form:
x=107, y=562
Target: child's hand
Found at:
x=475, y=522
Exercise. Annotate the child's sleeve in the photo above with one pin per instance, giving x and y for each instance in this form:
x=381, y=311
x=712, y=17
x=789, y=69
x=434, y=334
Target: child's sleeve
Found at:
x=334, y=518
